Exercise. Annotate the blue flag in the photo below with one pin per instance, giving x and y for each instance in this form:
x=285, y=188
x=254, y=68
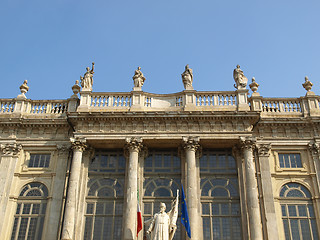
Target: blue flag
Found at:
x=184, y=213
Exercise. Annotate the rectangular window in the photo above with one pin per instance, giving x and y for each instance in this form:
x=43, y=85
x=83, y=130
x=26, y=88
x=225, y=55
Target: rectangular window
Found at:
x=290, y=160
x=39, y=161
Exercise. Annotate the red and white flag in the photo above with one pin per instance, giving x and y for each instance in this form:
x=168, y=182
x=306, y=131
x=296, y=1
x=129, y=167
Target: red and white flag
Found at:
x=139, y=218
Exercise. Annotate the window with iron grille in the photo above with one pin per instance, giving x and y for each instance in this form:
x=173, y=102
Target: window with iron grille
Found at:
x=39, y=161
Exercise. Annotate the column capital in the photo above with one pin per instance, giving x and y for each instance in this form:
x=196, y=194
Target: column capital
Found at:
x=10, y=149
x=78, y=144
x=314, y=148
x=263, y=149
x=248, y=143
x=191, y=143
x=133, y=144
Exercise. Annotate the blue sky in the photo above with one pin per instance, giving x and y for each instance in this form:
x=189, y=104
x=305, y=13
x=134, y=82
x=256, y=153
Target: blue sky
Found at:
x=50, y=43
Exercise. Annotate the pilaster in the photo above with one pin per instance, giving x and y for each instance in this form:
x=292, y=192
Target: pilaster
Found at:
x=10, y=153
x=267, y=192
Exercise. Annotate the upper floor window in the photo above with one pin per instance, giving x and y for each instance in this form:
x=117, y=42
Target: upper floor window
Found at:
x=217, y=162
x=39, y=161
x=162, y=162
x=290, y=160
x=111, y=162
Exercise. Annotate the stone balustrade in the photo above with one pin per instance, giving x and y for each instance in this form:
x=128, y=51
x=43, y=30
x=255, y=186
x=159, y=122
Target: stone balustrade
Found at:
x=190, y=100
x=110, y=100
x=216, y=99
x=44, y=107
x=281, y=105
x=6, y=105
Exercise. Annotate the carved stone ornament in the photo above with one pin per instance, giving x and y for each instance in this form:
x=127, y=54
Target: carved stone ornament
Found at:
x=187, y=78
x=78, y=144
x=76, y=88
x=314, y=148
x=264, y=150
x=307, y=84
x=239, y=78
x=138, y=79
x=87, y=79
x=191, y=143
x=10, y=149
x=133, y=144
x=254, y=85
x=23, y=89
x=247, y=143
x=63, y=149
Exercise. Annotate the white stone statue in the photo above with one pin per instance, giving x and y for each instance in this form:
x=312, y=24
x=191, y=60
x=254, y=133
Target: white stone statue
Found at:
x=138, y=79
x=87, y=79
x=163, y=225
x=187, y=78
x=239, y=78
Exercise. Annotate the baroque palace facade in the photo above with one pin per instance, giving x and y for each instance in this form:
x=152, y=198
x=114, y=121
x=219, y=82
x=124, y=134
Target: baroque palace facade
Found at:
x=78, y=168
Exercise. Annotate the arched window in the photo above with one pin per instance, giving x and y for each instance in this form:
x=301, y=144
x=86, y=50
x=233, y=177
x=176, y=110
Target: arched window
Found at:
x=220, y=198
x=104, y=199
x=162, y=178
x=298, y=217
x=30, y=212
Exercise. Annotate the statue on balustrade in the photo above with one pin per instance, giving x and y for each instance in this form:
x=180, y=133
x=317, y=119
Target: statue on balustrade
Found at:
x=187, y=78
x=239, y=78
x=138, y=79
x=87, y=79
x=163, y=225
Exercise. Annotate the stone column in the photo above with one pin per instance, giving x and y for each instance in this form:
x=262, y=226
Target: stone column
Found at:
x=8, y=161
x=191, y=145
x=132, y=149
x=268, y=198
x=78, y=146
x=251, y=190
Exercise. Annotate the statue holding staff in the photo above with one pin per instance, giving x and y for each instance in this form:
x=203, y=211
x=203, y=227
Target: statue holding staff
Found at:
x=163, y=225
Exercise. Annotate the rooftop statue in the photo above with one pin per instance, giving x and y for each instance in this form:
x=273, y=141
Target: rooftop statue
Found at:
x=239, y=78
x=187, y=78
x=87, y=79
x=138, y=79
x=163, y=225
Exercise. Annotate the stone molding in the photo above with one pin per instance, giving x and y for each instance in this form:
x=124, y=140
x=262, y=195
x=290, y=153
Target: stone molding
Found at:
x=10, y=149
x=263, y=150
x=78, y=144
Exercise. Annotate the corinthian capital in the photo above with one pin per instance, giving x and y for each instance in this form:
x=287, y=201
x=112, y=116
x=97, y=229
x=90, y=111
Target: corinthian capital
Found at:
x=314, y=148
x=191, y=143
x=78, y=144
x=10, y=149
x=264, y=150
x=133, y=144
x=247, y=143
